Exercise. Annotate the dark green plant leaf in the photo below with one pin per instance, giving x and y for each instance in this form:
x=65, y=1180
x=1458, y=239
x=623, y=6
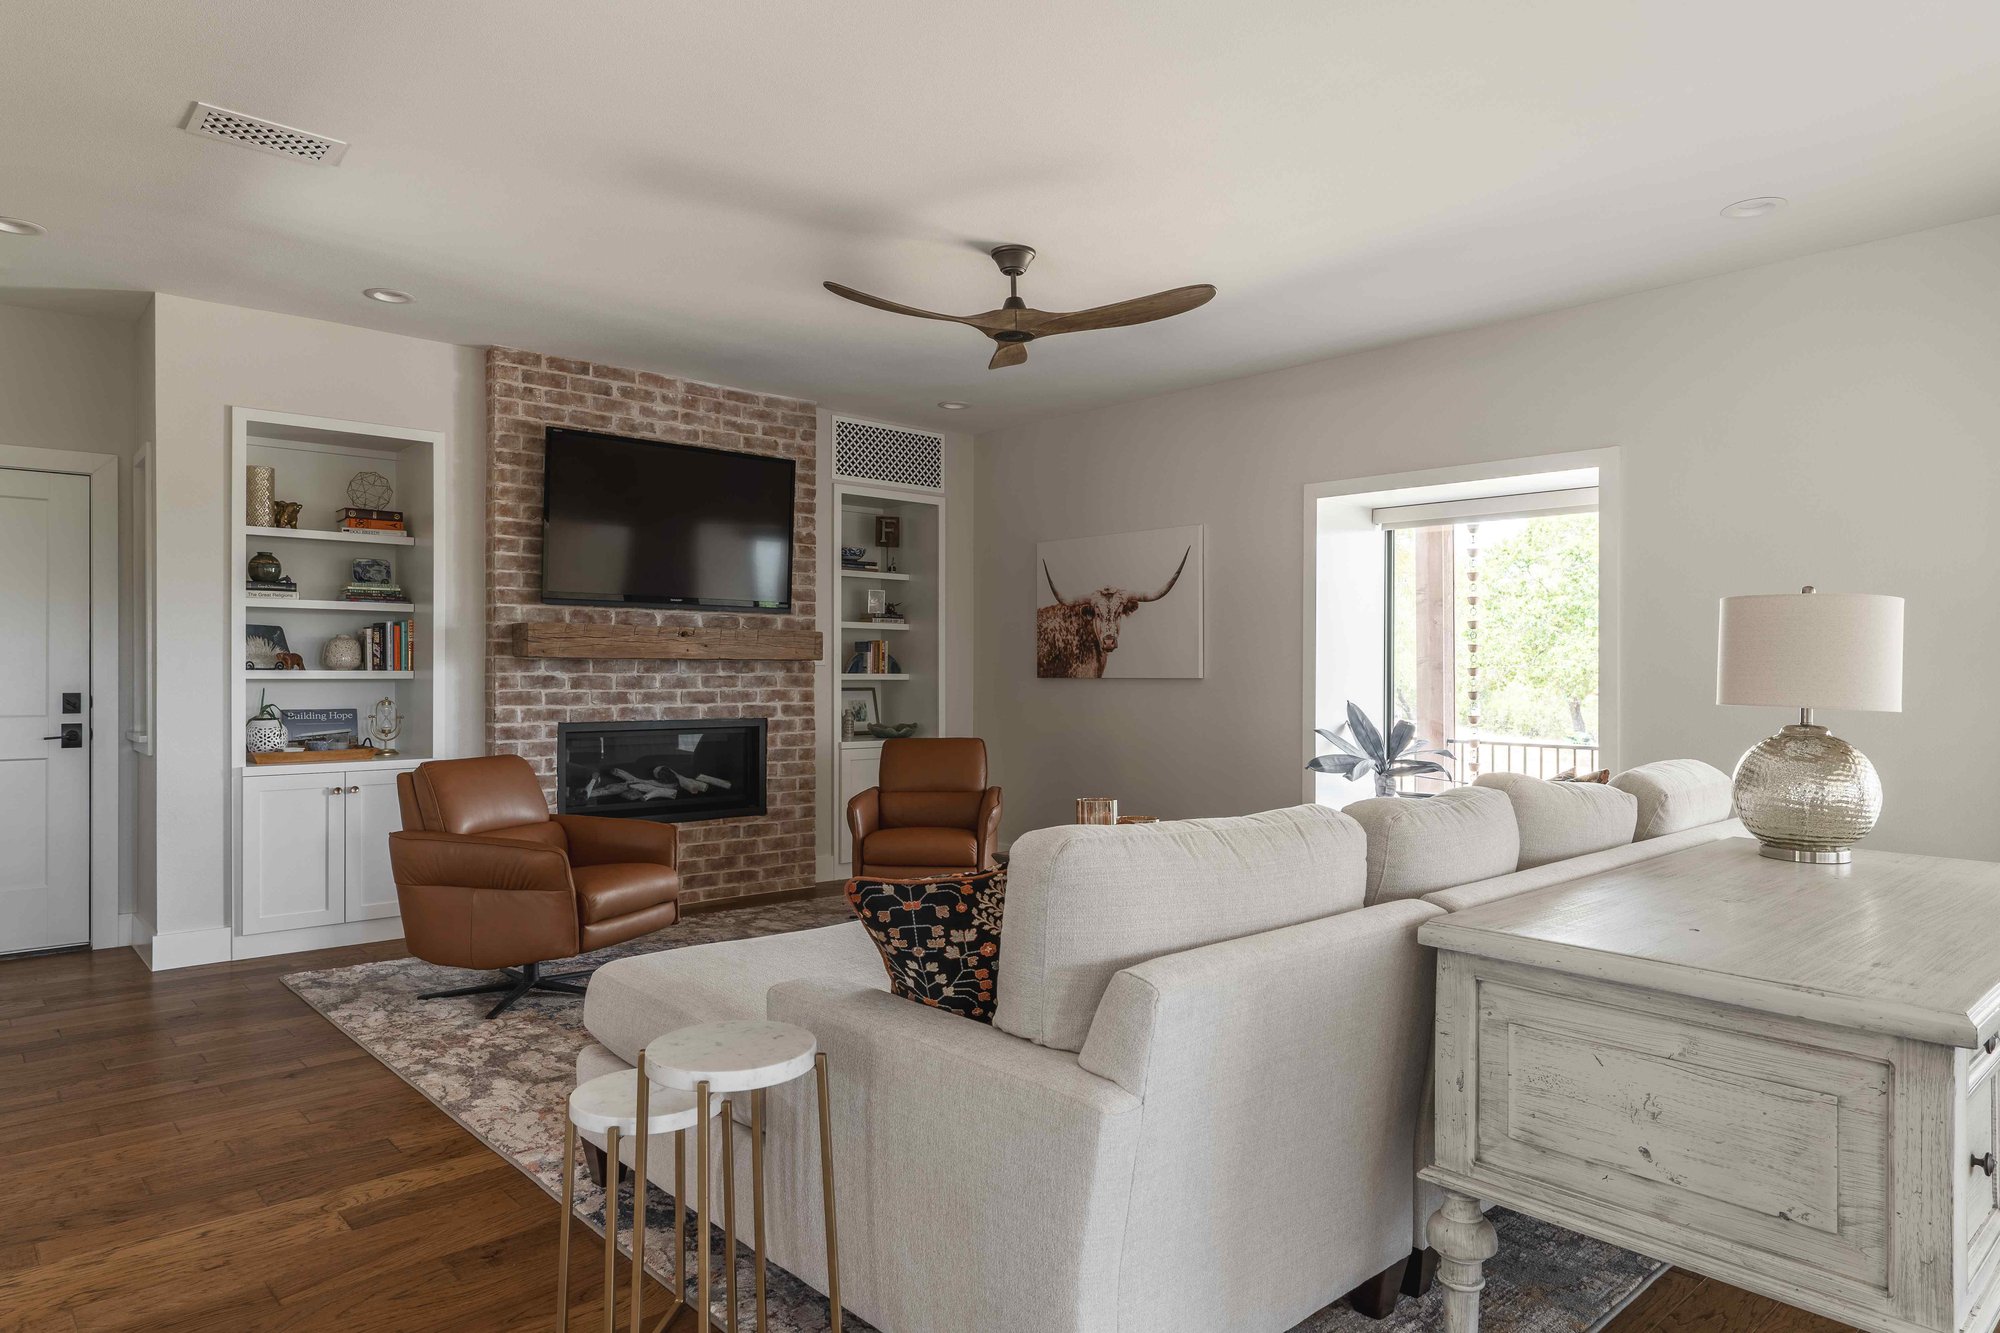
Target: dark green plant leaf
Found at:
x=1339, y=742
x=1365, y=735
x=1340, y=765
x=1405, y=768
x=1400, y=736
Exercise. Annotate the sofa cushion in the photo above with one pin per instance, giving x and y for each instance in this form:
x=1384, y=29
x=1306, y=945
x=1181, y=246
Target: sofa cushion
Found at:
x=921, y=847
x=1558, y=820
x=939, y=937
x=1676, y=794
x=630, y=1001
x=1418, y=846
x=1086, y=901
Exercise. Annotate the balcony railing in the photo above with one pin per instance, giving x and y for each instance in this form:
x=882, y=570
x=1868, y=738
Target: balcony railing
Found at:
x=1537, y=759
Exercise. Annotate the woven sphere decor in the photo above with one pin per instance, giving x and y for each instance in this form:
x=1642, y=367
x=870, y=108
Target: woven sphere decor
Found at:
x=370, y=490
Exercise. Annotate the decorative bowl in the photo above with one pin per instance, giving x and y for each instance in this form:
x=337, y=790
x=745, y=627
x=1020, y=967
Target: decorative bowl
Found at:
x=892, y=730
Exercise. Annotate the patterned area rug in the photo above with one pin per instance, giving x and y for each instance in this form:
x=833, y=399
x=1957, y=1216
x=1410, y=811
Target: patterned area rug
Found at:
x=507, y=1082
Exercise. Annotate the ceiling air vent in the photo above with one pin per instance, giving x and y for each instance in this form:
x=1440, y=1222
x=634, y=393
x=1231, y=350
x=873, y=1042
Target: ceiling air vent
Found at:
x=214, y=122
x=870, y=451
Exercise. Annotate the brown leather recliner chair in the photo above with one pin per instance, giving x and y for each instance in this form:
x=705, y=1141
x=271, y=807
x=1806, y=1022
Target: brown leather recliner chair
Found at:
x=932, y=813
x=489, y=879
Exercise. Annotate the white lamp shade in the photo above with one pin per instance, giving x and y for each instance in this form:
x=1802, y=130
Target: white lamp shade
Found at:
x=1812, y=650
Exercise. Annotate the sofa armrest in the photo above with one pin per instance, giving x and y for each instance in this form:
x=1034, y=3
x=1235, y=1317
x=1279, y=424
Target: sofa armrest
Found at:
x=953, y=1139
x=1282, y=1076
x=475, y=862
x=596, y=840
x=987, y=830
x=864, y=816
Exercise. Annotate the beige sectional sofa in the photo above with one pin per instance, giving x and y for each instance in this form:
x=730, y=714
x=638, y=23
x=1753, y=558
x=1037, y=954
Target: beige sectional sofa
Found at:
x=1202, y=1096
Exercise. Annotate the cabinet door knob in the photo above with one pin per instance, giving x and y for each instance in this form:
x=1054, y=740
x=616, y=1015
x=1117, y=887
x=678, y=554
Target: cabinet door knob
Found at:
x=1992, y=1044
x=333, y=791
x=353, y=791
x=1988, y=1163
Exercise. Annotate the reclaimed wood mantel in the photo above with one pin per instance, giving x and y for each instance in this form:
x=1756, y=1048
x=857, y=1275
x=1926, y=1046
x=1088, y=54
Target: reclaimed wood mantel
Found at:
x=555, y=638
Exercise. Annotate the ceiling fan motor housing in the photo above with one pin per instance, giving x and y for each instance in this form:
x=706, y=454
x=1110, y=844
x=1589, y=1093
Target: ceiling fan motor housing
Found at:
x=1013, y=259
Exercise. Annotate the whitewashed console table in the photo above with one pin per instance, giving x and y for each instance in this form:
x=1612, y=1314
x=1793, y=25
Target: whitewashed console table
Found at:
x=1777, y=1075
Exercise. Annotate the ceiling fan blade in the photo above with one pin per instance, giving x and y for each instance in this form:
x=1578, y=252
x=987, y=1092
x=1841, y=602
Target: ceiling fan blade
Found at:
x=891, y=306
x=1008, y=354
x=1139, y=310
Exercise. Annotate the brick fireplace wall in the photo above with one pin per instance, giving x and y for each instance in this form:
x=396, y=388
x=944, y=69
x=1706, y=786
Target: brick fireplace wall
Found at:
x=526, y=698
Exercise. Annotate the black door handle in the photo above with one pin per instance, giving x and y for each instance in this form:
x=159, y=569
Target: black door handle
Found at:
x=71, y=737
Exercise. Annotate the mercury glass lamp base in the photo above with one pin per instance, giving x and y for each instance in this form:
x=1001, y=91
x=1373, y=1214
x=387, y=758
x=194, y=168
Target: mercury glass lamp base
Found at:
x=1807, y=796
x=1838, y=857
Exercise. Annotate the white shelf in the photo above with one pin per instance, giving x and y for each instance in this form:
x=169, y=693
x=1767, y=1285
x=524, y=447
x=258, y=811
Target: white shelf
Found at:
x=251, y=770
x=870, y=574
x=845, y=675
x=252, y=674
x=306, y=604
x=869, y=624
x=872, y=743
x=322, y=535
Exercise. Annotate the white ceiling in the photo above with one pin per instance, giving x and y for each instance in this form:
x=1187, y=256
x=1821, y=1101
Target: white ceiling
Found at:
x=665, y=184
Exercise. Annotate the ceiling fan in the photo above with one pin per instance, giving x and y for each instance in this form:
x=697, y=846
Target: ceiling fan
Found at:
x=1014, y=325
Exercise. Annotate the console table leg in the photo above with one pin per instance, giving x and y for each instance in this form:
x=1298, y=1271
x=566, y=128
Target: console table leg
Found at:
x=1465, y=1240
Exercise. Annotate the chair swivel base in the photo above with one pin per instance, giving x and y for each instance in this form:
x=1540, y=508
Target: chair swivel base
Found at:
x=519, y=981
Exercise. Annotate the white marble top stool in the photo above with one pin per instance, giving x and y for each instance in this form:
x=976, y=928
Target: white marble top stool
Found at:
x=747, y=1055
x=612, y=1105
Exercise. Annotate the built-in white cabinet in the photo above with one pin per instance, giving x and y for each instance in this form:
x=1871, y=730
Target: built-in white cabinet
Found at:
x=860, y=769
x=316, y=847
x=311, y=845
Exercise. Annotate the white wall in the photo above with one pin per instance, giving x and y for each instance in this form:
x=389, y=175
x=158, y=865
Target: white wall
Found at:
x=207, y=358
x=71, y=381
x=1831, y=420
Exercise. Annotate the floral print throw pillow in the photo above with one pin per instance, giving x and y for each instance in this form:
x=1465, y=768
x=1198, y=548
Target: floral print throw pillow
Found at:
x=939, y=937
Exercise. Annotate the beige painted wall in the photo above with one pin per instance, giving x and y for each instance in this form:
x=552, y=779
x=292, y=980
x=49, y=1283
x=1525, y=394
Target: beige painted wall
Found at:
x=1832, y=420
x=206, y=359
x=71, y=381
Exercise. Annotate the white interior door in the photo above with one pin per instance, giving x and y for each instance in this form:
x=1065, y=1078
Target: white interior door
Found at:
x=44, y=710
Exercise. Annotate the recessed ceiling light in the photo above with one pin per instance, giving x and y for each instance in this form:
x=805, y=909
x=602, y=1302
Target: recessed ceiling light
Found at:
x=22, y=227
x=1760, y=207
x=388, y=295
x=954, y=407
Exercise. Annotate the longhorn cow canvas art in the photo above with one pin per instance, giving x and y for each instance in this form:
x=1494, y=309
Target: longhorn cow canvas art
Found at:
x=1127, y=605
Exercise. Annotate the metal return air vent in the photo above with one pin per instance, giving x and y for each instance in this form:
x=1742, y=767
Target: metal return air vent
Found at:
x=869, y=451
x=214, y=122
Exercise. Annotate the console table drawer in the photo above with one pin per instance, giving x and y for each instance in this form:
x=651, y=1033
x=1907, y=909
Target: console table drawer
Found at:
x=1979, y=1194
x=1773, y=1145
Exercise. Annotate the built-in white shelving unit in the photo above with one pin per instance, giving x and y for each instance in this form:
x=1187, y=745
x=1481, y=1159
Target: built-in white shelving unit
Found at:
x=916, y=586
x=310, y=848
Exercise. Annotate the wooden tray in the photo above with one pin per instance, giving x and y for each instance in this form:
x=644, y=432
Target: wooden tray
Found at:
x=316, y=756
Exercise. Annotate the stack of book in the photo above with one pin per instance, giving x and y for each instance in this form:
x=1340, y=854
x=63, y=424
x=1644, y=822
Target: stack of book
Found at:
x=871, y=658
x=283, y=589
x=373, y=592
x=389, y=645
x=372, y=520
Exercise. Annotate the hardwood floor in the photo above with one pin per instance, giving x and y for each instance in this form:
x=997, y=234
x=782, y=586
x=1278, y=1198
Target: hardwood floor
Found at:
x=198, y=1150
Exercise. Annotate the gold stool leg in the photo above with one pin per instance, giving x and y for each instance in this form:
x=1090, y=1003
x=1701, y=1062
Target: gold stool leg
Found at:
x=562, y=1231
x=639, y=1189
x=757, y=1197
x=826, y=1190
x=703, y=1203
x=729, y=1210
x=680, y=1224
x=611, y=1230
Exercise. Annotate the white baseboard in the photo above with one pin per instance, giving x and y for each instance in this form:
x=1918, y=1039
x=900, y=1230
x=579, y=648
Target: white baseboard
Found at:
x=173, y=949
x=317, y=937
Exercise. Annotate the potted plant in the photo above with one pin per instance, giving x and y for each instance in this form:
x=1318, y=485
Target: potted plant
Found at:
x=1365, y=753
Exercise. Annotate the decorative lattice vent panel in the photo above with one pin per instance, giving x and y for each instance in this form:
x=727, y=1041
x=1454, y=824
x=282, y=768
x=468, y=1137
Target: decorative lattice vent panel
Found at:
x=214, y=122
x=867, y=451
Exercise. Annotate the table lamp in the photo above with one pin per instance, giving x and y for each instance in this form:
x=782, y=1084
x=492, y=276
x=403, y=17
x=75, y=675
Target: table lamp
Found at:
x=1805, y=794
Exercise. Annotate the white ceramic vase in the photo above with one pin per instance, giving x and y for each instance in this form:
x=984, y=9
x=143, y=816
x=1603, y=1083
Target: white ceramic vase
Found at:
x=341, y=653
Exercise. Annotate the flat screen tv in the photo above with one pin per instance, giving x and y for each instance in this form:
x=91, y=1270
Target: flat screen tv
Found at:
x=645, y=523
